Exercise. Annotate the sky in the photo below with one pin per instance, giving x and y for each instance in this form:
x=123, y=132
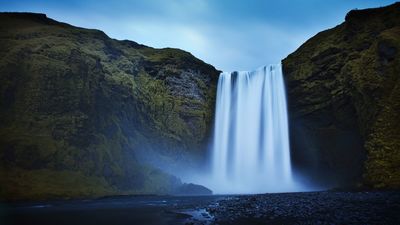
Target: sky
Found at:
x=228, y=34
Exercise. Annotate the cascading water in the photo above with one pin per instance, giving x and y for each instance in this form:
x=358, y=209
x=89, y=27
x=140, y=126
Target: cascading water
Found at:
x=251, y=144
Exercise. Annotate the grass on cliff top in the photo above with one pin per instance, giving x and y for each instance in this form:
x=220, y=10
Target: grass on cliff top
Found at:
x=60, y=70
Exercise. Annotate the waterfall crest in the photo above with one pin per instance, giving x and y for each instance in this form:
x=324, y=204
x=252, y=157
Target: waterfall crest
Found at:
x=250, y=152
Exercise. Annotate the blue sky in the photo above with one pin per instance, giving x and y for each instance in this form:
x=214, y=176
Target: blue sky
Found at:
x=229, y=34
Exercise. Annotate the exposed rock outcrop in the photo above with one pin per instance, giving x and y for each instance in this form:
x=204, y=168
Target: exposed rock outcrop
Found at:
x=82, y=114
x=192, y=189
x=344, y=100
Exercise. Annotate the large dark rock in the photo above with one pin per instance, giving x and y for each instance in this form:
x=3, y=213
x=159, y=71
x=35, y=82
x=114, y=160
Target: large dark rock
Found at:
x=192, y=189
x=344, y=101
x=82, y=114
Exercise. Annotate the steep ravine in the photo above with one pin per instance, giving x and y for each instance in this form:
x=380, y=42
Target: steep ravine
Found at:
x=82, y=114
x=344, y=101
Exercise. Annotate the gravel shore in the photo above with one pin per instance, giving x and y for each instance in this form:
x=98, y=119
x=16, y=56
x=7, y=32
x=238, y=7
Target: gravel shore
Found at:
x=308, y=208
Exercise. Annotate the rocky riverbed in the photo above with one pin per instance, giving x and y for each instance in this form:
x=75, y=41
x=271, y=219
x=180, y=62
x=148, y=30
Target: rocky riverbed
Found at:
x=309, y=208
x=330, y=207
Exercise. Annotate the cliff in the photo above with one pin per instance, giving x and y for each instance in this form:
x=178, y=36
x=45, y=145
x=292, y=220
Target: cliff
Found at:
x=344, y=101
x=82, y=114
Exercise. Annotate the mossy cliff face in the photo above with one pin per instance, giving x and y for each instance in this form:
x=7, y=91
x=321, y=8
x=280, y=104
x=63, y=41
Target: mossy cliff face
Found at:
x=85, y=115
x=344, y=100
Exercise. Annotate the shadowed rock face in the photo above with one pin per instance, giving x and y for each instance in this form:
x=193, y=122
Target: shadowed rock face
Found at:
x=192, y=189
x=82, y=114
x=85, y=115
x=344, y=100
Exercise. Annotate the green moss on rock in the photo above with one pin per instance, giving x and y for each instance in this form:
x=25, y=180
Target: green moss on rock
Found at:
x=346, y=79
x=77, y=106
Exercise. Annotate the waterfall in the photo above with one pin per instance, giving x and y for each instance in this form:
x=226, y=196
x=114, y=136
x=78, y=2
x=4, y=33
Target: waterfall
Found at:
x=250, y=153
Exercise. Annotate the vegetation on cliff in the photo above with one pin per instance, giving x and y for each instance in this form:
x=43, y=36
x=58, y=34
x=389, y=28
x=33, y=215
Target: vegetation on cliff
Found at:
x=344, y=99
x=82, y=114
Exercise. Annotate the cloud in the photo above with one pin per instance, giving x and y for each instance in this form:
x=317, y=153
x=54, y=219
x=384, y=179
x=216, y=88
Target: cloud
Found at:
x=231, y=35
